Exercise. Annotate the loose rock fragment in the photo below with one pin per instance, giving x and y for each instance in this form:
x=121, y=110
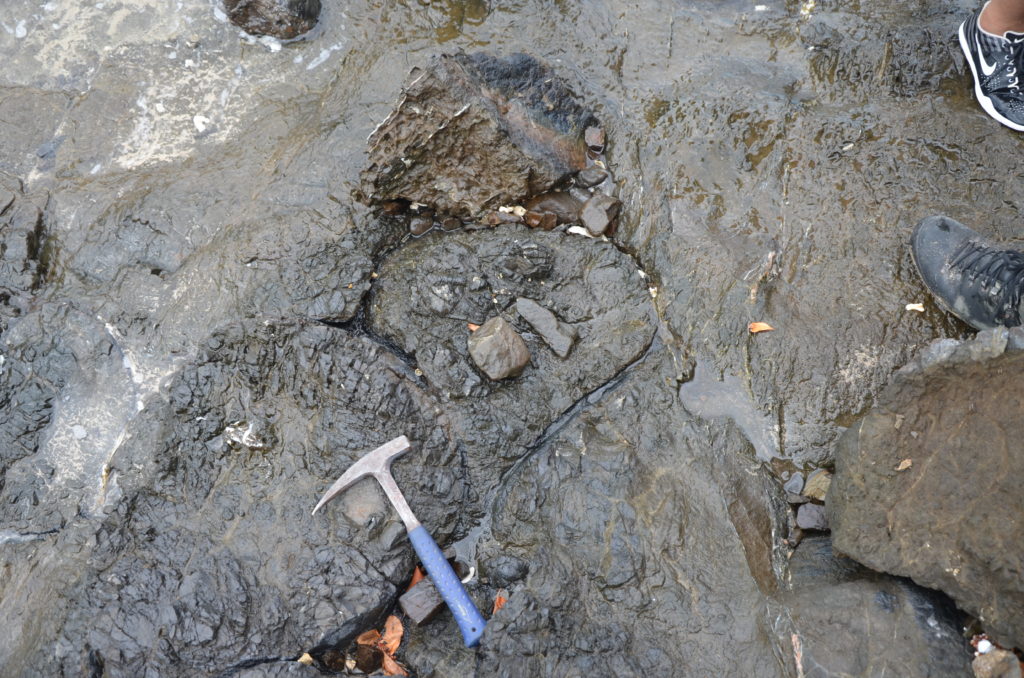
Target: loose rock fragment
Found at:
x=817, y=484
x=594, y=136
x=498, y=350
x=997, y=663
x=473, y=132
x=421, y=602
x=544, y=220
x=562, y=205
x=555, y=333
x=795, y=484
x=420, y=225
x=285, y=19
x=599, y=213
x=591, y=176
x=811, y=517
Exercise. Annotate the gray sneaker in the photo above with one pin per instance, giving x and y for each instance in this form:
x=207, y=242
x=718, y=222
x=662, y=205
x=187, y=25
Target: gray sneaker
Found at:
x=994, y=61
x=971, y=277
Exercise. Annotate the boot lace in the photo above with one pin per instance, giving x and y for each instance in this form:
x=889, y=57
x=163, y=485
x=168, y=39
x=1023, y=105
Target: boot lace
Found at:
x=1000, y=273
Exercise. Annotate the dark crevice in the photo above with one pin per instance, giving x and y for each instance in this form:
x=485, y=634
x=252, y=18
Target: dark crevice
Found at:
x=249, y=663
x=15, y=537
x=573, y=411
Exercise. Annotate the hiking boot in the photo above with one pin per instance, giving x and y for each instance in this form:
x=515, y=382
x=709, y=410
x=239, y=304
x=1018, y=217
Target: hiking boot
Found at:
x=994, y=61
x=970, y=276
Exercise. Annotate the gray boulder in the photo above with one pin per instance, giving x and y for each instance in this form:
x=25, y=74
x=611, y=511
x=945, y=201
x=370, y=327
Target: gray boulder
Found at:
x=951, y=518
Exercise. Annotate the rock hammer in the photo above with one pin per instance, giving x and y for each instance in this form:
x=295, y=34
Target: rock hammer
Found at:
x=378, y=465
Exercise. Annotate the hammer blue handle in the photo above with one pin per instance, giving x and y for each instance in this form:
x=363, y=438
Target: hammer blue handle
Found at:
x=470, y=621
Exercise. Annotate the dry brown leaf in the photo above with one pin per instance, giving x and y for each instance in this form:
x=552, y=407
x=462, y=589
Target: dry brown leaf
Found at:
x=472, y=327
x=905, y=464
x=417, y=576
x=391, y=667
x=371, y=637
x=499, y=602
x=759, y=327
x=392, y=637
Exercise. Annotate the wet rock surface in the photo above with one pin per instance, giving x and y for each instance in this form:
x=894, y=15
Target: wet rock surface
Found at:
x=848, y=620
x=214, y=327
x=943, y=520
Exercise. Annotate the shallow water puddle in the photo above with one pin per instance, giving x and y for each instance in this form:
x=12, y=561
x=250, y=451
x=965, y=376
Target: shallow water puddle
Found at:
x=707, y=397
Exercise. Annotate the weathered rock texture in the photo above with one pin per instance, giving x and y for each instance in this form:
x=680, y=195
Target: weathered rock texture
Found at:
x=473, y=132
x=850, y=621
x=951, y=521
x=284, y=19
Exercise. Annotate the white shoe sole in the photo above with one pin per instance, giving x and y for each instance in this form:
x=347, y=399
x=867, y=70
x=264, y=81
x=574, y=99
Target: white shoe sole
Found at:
x=986, y=103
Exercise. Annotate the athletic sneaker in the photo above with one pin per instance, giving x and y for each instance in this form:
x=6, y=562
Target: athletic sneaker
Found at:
x=995, y=61
x=971, y=277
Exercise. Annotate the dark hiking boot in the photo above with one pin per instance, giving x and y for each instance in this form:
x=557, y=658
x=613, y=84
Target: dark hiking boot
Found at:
x=970, y=276
x=994, y=61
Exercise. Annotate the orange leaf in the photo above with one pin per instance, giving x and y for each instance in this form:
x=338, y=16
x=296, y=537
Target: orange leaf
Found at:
x=499, y=602
x=905, y=464
x=417, y=575
x=472, y=327
x=391, y=667
x=759, y=327
x=371, y=637
x=392, y=637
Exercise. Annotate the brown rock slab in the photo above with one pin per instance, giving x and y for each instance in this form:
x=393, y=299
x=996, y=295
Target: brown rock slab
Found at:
x=473, y=132
x=951, y=521
x=498, y=350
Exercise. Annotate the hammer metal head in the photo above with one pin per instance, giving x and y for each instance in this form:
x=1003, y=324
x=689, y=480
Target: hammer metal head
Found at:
x=376, y=463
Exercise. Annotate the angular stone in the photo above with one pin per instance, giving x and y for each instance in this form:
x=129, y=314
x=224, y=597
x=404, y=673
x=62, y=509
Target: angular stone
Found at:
x=599, y=212
x=795, y=484
x=817, y=484
x=997, y=663
x=563, y=205
x=498, y=350
x=421, y=602
x=812, y=517
x=474, y=132
x=950, y=520
x=555, y=333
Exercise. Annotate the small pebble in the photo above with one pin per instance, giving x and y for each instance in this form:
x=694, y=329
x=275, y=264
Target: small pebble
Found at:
x=594, y=138
x=599, y=213
x=420, y=225
x=591, y=176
